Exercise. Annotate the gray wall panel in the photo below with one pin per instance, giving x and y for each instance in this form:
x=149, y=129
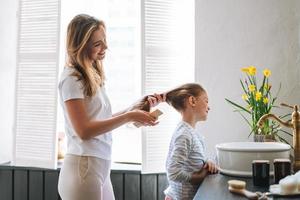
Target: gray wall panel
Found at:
x=117, y=180
x=6, y=184
x=162, y=185
x=132, y=187
x=50, y=182
x=149, y=187
x=21, y=184
x=36, y=185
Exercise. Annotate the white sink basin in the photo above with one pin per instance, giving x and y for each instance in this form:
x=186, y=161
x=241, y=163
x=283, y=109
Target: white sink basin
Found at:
x=236, y=158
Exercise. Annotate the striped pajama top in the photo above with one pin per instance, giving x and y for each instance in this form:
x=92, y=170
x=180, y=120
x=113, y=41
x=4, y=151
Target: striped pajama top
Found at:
x=186, y=155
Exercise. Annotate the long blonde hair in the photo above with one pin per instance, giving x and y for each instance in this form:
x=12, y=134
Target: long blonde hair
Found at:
x=79, y=32
x=176, y=97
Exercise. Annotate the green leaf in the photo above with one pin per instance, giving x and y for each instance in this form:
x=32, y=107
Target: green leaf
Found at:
x=286, y=132
x=246, y=92
x=283, y=140
x=284, y=116
x=278, y=90
x=251, y=133
x=246, y=120
x=238, y=106
x=250, y=80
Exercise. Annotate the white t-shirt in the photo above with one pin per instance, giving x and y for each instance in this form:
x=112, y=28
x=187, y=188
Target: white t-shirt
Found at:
x=98, y=107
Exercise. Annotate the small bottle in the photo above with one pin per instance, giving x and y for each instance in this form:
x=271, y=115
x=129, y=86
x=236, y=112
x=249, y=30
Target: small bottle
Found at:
x=282, y=168
x=261, y=172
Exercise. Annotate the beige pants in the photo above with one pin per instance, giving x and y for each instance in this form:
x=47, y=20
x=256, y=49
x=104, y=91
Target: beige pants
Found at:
x=85, y=178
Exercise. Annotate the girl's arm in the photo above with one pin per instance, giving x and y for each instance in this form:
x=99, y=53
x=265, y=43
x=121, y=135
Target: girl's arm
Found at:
x=87, y=128
x=208, y=168
x=177, y=161
x=198, y=177
x=211, y=167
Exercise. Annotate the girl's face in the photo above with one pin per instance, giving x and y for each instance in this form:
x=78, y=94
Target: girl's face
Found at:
x=201, y=107
x=97, y=45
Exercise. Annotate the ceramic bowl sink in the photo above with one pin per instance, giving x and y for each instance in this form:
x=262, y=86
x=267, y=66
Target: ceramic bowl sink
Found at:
x=236, y=158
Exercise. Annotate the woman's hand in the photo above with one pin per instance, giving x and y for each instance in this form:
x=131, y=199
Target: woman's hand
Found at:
x=155, y=99
x=142, y=118
x=211, y=167
x=146, y=102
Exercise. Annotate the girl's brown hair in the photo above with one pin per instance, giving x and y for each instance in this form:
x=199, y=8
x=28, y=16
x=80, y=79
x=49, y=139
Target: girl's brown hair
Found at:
x=79, y=32
x=176, y=97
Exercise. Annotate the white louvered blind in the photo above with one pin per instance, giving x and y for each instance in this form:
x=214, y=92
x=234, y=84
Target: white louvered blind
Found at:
x=36, y=84
x=168, y=61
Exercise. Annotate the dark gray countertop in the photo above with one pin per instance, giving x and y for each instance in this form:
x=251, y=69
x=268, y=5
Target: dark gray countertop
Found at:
x=215, y=187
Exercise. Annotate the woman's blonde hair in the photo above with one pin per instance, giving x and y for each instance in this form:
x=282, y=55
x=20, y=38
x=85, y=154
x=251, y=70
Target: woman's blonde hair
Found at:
x=176, y=97
x=79, y=32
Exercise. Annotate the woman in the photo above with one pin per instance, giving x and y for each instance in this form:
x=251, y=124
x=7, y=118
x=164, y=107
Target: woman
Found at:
x=88, y=119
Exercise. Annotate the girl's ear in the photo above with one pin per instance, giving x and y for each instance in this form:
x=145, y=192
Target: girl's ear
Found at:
x=192, y=101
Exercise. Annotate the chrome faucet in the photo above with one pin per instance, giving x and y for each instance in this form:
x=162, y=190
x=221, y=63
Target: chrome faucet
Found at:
x=294, y=123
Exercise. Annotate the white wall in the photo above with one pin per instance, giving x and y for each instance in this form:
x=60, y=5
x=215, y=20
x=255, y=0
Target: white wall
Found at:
x=233, y=34
x=8, y=32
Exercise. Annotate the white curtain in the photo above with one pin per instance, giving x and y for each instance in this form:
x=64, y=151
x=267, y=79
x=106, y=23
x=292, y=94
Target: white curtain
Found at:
x=167, y=61
x=35, y=138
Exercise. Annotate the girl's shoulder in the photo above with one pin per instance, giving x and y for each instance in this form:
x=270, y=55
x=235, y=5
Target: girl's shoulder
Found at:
x=183, y=132
x=184, y=128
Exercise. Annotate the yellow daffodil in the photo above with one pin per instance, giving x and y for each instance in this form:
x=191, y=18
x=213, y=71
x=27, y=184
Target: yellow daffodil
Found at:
x=252, y=70
x=267, y=73
x=258, y=96
x=251, y=88
x=245, y=97
x=245, y=69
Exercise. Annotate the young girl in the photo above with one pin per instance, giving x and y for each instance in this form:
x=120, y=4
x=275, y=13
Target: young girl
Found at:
x=88, y=118
x=186, y=163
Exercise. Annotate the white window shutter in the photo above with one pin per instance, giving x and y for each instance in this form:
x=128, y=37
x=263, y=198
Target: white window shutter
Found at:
x=167, y=61
x=35, y=138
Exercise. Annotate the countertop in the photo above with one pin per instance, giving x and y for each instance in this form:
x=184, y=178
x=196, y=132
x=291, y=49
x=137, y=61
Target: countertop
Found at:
x=215, y=187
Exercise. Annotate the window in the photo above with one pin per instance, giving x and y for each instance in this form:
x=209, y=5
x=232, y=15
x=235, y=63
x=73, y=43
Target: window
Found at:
x=36, y=93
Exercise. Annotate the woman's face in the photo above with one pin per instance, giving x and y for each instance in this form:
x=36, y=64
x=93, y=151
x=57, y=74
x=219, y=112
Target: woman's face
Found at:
x=201, y=106
x=97, y=44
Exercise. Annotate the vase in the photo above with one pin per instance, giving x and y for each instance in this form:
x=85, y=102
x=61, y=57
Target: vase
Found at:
x=270, y=138
x=258, y=138
x=264, y=138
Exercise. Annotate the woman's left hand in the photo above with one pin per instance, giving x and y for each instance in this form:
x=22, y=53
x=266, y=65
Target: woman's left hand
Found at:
x=155, y=99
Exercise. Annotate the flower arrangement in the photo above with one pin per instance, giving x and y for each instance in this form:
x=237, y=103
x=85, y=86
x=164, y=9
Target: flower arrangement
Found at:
x=258, y=101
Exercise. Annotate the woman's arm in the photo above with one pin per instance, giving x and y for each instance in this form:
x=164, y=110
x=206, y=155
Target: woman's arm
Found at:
x=145, y=103
x=87, y=128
